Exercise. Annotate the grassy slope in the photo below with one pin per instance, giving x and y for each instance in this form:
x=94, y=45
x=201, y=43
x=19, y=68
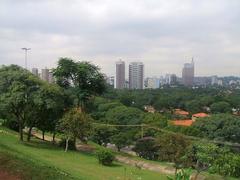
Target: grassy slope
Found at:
x=42, y=160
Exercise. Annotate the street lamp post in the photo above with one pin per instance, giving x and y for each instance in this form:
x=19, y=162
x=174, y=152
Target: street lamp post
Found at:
x=25, y=50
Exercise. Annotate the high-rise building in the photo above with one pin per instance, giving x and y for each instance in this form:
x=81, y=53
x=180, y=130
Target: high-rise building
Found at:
x=120, y=74
x=51, y=77
x=35, y=71
x=173, y=79
x=45, y=74
x=188, y=74
x=136, y=75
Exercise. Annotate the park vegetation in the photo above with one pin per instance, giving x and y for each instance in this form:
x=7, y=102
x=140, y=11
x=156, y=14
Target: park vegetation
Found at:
x=81, y=107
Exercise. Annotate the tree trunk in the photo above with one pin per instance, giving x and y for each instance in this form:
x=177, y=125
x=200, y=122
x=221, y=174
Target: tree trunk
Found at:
x=29, y=133
x=74, y=142
x=20, y=131
x=66, y=147
x=43, y=133
x=53, y=138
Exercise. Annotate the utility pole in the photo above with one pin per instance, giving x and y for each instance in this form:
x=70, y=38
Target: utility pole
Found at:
x=26, y=50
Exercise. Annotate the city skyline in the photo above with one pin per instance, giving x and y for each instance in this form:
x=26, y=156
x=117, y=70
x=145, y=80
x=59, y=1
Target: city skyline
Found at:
x=161, y=34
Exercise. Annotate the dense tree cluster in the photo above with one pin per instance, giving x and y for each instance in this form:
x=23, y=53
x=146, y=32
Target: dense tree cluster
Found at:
x=75, y=107
x=218, y=100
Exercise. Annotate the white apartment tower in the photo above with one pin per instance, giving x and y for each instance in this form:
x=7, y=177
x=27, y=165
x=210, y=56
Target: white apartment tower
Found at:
x=136, y=75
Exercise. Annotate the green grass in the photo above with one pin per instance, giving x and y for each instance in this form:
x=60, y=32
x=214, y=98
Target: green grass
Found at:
x=42, y=160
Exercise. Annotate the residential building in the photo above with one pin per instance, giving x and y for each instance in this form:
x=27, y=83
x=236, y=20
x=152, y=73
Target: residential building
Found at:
x=136, y=75
x=45, y=74
x=35, y=71
x=188, y=74
x=120, y=74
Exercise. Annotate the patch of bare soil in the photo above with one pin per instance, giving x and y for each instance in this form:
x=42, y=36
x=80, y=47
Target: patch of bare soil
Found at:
x=4, y=175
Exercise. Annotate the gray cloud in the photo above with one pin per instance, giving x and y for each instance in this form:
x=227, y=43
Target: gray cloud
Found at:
x=162, y=34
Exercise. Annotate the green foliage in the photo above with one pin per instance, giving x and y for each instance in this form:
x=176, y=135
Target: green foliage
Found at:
x=71, y=144
x=51, y=162
x=105, y=157
x=171, y=147
x=206, y=156
x=124, y=115
x=75, y=124
x=155, y=119
x=183, y=174
x=220, y=107
x=86, y=78
x=146, y=148
x=121, y=139
x=102, y=134
x=190, y=131
x=226, y=164
x=221, y=127
x=18, y=88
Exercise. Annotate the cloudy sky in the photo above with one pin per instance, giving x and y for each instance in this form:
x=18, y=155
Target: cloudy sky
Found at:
x=163, y=34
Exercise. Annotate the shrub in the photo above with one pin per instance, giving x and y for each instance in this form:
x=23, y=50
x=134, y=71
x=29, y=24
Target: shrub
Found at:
x=146, y=148
x=11, y=124
x=105, y=157
x=71, y=144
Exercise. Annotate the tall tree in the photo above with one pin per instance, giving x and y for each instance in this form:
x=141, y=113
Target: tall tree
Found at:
x=75, y=124
x=82, y=78
x=17, y=89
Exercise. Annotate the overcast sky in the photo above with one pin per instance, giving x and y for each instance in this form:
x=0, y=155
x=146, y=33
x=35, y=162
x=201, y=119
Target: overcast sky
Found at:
x=163, y=34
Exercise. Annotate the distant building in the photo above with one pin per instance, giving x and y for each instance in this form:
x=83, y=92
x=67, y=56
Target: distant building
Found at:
x=199, y=115
x=181, y=112
x=47, y=75
x=136, y=75
x=149, y=109
x=51, y=78
x=214, y=80
x=152, y=83
x=188, y=74
x=202, y=81
x=35, y=71
x=120, y=74
x=110, y=80
x=173, y=79
x=187, y=122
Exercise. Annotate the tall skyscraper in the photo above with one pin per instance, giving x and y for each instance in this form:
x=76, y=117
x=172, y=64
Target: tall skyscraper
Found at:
x=35, y=71
x=136, y=75
x=45, y=74
x=188, y=74
x=120, y=74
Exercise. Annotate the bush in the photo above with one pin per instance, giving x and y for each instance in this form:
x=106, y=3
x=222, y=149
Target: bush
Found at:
x=146, y=148
x=105, y=157
x=71, y=144
x=11, y=124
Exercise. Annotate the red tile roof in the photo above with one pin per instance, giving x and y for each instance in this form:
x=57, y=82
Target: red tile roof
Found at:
x=200, y=115
x=187, y=122
x=181, y=112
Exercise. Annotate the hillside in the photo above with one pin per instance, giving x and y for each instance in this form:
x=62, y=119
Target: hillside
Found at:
x=42, y=160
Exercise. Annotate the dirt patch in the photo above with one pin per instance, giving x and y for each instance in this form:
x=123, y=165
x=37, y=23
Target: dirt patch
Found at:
x=145, y=165
x=7, y=176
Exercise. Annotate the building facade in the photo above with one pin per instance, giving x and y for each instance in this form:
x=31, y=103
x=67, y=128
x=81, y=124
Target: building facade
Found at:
x=45, y=74
x=136, y=75
x=188, y=74
x=35, y=71
x=120, y=74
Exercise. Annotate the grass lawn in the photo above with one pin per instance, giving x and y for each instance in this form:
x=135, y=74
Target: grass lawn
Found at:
x=42, y=160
